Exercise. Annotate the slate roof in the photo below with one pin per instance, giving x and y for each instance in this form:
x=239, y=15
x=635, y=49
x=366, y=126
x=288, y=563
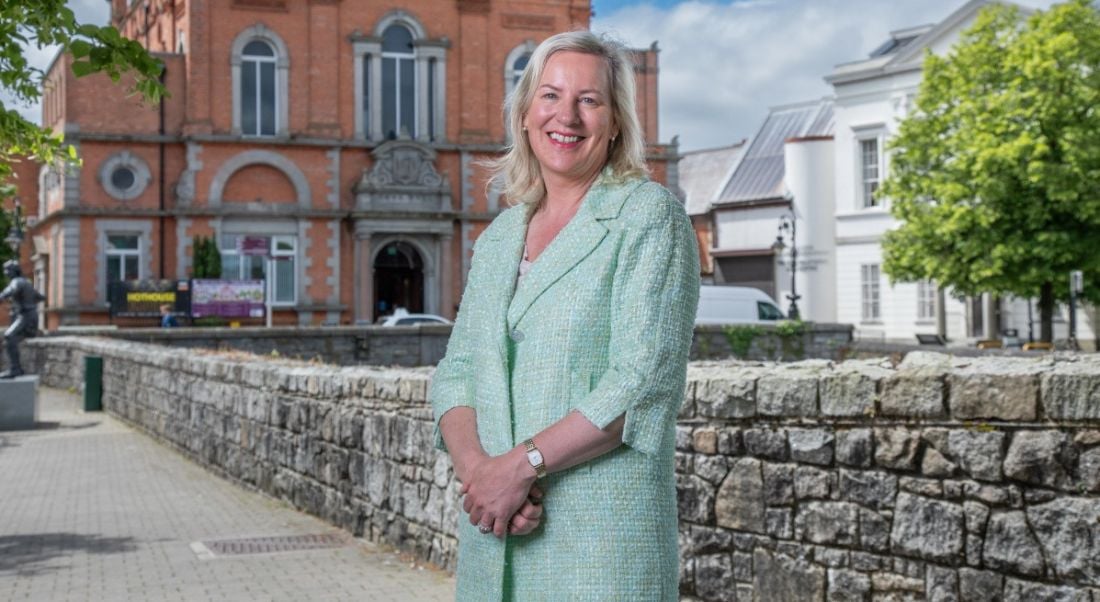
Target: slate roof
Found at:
x=703, y=172
x=759, y=174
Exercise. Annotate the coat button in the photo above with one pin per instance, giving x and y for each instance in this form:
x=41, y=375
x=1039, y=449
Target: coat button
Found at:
x=517, y=336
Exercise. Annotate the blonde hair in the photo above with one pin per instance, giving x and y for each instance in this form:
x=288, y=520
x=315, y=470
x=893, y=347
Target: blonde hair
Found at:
x=517, y=174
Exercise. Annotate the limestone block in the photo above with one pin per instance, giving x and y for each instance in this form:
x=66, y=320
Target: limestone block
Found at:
x=850, y=388
x=780, y=577
x=1088, y=470
x=814, y=483
x=1017, y=590
x=831, y=557
x=848, y=586
x=19, y=403
x=914, y=393
x=1004, y=389
x=853, y=447
x=705, y=440
x=934, y=464
x=828, y=523
x=695, y=499
x=712, y=468
x=811, y=446
x=729, y=441
x=1071, y=391
x=708, y=540
x=1069, y=531
x=927, y=528
x=714, y=577
x=980, y=586
x=874, y=531
x=766, y=443
x=742, y=567
x=787, y=392
x=778, y=484
x=978, y=453
x=896, y=447
x=976, y=516
x=1010, y=546
x=740, y=501
x=874, y=489
x=777, y=523
x=1037, y=457
x=729, y=393
x=941, y=585
x=925, y=487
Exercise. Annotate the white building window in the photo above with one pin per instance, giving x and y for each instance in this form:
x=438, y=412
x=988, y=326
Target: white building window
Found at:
x=870, y=171
x=400, y=81
x=869, y=288
x=123, y=258
x=284, y=261
x=260, y=70
x=926, y=300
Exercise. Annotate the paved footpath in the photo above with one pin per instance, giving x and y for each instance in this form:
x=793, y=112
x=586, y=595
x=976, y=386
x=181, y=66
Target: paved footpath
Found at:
x=91, y=509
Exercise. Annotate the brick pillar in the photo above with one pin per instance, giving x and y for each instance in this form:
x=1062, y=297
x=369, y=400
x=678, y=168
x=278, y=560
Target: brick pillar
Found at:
x=199, y=73
x=474, y=57
x=324, y=56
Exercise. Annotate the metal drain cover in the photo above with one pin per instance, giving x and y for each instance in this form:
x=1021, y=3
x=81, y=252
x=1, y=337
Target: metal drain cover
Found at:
x=268, y=545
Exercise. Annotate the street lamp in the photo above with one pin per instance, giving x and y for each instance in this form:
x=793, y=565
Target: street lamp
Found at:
x=15, y=233
x=787, y=227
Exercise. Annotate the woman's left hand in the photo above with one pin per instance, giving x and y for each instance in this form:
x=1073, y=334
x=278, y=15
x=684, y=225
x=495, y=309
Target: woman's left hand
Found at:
x=496, y=488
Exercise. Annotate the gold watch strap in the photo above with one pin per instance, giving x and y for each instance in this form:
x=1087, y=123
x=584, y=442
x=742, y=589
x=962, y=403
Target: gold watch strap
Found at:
x=540, y=468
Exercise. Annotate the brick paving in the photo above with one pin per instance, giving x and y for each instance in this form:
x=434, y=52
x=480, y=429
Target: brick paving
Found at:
x=91, y=509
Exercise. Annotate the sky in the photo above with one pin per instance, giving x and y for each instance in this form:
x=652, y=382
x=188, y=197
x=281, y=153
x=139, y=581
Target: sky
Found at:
x=724, y=62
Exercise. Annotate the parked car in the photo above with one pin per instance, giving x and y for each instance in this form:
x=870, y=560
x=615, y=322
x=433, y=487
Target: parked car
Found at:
x=401, y=317
x=736, y=305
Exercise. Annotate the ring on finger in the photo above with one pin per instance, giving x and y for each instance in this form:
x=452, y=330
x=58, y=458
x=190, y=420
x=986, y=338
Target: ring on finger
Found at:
x=484, y=528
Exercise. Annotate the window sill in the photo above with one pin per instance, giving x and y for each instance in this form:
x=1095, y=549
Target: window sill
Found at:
x=870, y=323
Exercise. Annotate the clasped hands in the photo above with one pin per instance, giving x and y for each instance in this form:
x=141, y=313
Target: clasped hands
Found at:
x=499, y=492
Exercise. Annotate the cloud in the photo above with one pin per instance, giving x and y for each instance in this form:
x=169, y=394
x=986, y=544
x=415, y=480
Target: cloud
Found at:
x=724, y=63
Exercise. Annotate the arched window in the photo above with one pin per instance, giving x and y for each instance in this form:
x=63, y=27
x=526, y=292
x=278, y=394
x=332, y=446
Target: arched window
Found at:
x=258, y=89
x=398, y=82
x=514, y=64
x=260, y=68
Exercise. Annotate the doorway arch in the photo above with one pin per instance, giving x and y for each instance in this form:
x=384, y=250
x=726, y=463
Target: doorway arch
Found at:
x=398, y=279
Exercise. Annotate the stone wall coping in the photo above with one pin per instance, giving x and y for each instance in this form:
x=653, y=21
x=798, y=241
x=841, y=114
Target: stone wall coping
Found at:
x=924, y=386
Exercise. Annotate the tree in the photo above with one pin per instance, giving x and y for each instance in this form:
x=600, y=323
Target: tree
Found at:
x=95, y=50
x=994, y=174
x=205, y=258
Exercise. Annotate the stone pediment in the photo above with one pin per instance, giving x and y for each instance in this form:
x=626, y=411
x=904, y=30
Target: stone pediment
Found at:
x=403, y=178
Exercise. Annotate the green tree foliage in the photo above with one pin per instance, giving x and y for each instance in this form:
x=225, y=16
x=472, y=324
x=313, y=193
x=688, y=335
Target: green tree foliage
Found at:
x=41, y=23
x=995, y=173
x=205, y=258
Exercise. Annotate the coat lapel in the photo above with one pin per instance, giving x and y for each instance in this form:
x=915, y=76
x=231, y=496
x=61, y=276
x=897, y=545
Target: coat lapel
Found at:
x=504, y=253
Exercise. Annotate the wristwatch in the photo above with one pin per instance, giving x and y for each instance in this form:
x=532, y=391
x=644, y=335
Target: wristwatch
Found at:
x=534, y=456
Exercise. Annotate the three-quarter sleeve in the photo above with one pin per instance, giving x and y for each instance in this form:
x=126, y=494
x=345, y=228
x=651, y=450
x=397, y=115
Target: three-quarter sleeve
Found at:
x=653, y=303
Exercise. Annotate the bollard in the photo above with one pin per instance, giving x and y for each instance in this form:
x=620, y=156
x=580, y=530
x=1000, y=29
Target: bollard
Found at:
x=93, y=383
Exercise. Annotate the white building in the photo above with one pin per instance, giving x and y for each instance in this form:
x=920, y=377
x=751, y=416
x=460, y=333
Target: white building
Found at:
x=823, y=161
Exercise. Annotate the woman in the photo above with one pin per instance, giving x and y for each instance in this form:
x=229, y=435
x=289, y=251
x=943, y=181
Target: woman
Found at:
x=566, y=366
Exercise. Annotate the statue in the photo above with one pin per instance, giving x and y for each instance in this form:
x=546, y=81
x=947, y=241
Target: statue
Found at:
x=24, y=314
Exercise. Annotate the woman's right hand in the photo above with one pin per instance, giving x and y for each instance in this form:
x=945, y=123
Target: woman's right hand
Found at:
x=529, y=515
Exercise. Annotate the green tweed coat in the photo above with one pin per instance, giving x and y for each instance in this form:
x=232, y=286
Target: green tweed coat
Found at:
x=601, y=324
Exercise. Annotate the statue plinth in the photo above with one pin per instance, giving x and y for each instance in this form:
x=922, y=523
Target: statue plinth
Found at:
x=18, y=403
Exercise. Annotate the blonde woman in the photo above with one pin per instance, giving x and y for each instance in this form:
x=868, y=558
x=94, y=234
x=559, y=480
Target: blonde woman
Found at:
x=558, y=395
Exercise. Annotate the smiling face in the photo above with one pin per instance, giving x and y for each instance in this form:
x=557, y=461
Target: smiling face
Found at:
x=569, y=123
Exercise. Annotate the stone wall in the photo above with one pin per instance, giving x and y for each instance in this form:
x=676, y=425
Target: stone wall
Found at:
x=937, y=479
x=424, y=345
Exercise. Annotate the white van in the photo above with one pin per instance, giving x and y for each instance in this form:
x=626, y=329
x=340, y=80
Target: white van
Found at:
x=736, y=305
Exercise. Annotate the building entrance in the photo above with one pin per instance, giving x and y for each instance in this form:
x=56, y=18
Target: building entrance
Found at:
x=398, y=279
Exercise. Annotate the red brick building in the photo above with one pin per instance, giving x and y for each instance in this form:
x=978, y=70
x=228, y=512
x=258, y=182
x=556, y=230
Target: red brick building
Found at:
x=347, y=133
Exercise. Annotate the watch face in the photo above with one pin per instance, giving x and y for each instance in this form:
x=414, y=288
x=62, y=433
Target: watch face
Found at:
x=534, y=457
